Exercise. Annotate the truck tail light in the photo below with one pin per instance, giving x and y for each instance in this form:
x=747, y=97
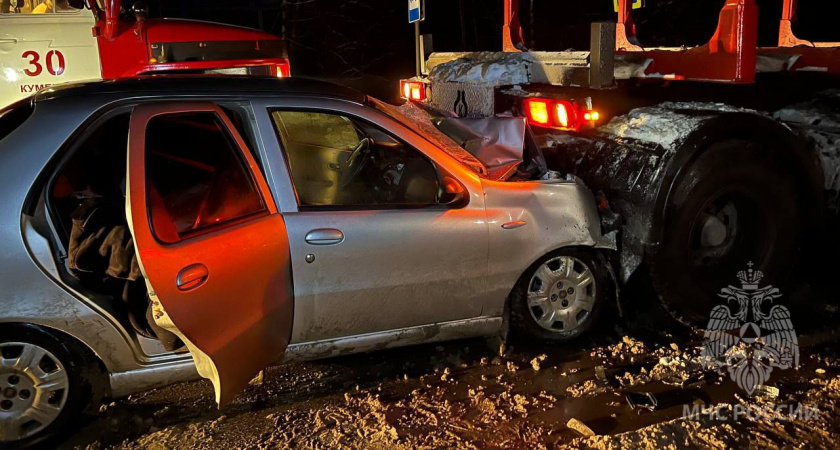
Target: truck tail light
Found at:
x=281, y=70
x=591, y=116
x=563, y=114
x=559, y=114
x=537, y=111
x=414, y=91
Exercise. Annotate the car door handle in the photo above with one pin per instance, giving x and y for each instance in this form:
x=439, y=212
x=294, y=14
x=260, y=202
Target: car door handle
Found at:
x=324, y=236
x=8, y=41
x=192, y=277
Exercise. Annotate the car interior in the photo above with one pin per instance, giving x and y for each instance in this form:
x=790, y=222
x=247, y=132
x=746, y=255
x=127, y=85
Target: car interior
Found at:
x=336, y=161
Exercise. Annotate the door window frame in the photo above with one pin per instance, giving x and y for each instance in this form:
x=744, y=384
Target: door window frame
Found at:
x=277, y=162
x=244, y=154
x=360, y=207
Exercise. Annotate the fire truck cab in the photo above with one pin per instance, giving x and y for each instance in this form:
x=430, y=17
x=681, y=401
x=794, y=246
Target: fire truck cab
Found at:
x=46, y=42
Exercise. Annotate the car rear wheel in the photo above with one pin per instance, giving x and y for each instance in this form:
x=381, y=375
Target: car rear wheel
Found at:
x=736, y=207
x=560, y=296
x=42, y=391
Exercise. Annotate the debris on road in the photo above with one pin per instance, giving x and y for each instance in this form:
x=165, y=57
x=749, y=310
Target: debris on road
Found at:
x=642, y=400
x=535, y=363
x=580, y=427
x=600, y=373
x=763, y=392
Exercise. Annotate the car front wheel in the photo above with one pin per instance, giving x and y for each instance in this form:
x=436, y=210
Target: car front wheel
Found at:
x=560, y=296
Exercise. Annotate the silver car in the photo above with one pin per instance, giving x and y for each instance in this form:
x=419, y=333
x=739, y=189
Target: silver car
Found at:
x=155, y=230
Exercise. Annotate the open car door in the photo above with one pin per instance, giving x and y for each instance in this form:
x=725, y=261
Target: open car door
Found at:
x=209, y=240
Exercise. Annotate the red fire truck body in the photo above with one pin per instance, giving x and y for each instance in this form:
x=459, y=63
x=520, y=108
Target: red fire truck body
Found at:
x=101, y=41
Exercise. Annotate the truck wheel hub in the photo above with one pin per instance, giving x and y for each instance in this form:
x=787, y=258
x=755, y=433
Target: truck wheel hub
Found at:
x=716, y=232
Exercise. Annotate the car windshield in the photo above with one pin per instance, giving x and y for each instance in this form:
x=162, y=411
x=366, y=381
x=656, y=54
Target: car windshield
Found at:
x=418, y=120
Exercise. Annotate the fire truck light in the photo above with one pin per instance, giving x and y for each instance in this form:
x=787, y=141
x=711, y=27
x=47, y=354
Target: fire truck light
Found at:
x=591, y=116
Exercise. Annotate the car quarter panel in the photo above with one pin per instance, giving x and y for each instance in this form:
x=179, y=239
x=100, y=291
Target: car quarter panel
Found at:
x=30, y=293
x=528, y=220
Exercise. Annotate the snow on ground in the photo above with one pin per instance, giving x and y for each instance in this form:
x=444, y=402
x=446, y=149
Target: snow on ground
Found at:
x=819, y=120
x=468, y=394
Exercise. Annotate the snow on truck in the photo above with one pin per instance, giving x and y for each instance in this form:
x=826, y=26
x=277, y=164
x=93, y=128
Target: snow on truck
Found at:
x=712, y=158
x=45, y=42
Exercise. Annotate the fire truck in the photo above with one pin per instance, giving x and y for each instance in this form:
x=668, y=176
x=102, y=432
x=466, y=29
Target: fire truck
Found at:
x=45, y=42
x=713, y=159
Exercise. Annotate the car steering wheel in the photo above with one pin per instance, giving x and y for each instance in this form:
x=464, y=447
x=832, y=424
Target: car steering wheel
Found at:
x=356, y=161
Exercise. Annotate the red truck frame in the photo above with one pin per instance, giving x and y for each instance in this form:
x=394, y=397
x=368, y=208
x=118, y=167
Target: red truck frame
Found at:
x=730, y=56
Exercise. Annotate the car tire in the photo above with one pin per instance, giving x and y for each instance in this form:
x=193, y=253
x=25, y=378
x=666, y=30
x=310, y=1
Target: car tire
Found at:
x=61, y=393
x=735, y=207
x=560, y=296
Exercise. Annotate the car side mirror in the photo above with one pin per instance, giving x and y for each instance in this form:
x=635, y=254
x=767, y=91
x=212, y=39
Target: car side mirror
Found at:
x=140, y=10
x=455, y=195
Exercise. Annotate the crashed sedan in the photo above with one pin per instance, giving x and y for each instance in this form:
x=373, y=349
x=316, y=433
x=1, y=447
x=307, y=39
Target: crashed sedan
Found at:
x=154, y=230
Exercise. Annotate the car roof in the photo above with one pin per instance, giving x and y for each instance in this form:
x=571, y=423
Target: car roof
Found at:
x=203, y=84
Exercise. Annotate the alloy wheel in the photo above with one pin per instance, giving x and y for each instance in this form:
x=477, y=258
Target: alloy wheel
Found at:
x=33, y=389
x=561, y=294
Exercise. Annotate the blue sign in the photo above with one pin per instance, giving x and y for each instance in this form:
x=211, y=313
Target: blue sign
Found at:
x=414, y=11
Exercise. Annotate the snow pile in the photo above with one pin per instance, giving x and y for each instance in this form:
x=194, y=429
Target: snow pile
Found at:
x=488, y=68
x=820, y=121
x=665, y=124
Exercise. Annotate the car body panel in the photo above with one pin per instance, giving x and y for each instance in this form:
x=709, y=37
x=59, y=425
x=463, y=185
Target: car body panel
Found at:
x=557, y=214
x=238, y=319
x=390, y=260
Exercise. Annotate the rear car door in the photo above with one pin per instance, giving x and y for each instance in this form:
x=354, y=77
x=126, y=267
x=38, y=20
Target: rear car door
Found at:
x=210, y=240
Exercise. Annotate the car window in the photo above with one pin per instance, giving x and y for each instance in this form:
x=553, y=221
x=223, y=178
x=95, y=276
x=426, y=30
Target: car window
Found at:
x=195, y=176
x=339, y=161
x=92, y=173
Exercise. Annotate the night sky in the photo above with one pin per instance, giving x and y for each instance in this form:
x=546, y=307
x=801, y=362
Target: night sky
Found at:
x=369, y=44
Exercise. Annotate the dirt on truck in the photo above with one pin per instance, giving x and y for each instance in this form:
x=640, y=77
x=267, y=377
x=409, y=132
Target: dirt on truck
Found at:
x=709, y=157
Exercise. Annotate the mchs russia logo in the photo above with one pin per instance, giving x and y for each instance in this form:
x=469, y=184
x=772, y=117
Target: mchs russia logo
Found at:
x=749, y=335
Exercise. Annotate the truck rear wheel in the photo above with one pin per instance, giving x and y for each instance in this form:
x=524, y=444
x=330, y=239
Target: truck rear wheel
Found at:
x=735, y=205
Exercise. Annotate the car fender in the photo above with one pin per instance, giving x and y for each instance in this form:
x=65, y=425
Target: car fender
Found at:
x=527, y=220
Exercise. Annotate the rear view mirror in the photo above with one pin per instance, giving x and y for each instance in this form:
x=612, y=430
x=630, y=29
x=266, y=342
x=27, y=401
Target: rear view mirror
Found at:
x=140, y=10
x=454, y=195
